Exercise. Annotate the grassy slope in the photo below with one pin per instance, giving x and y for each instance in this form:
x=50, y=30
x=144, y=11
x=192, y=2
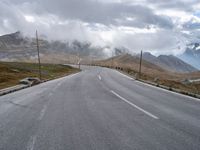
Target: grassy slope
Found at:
x=12, y=72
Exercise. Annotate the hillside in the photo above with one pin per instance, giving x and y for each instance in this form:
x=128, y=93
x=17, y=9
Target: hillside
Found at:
x=154, y=71
x=169, y=62
x=16, y=47
x=11, y=40
x=132, y=62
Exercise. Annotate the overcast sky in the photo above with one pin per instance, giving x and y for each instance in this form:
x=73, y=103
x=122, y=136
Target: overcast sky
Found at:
x=159, y=26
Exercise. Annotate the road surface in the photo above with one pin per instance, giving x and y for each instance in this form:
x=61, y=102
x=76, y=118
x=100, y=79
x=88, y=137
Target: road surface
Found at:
x=98, y=109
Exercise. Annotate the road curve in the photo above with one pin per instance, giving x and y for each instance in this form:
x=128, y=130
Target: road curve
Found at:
x=98, y=109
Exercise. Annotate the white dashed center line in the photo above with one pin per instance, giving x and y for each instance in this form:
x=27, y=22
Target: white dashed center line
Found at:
x=135, y=106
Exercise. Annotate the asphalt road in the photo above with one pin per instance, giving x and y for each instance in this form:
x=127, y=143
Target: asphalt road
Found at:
x=98, y=109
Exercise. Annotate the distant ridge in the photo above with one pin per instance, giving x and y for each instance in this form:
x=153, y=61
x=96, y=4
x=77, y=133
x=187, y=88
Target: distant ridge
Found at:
x=11, y=40
x=192, y=55
x=169, y=62
x=16, y=47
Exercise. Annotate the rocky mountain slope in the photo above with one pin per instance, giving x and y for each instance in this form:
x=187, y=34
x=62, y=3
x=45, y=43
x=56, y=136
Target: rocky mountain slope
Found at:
x=16, y=47
x=169, y=62
x=192, y=55
x=130, y=64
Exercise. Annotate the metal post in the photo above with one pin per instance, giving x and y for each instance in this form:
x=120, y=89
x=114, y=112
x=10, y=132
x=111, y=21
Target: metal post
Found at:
x=140, y=65
x=38, y=50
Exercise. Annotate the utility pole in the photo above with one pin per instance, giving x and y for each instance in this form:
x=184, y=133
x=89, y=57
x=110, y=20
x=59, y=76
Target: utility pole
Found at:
x=112, y=61
x=38, y=50
x=79, y=61
x=140, y=65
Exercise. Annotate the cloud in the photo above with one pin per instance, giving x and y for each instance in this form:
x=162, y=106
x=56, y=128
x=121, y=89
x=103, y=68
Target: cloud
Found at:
x=98, y=12
x=156, y=25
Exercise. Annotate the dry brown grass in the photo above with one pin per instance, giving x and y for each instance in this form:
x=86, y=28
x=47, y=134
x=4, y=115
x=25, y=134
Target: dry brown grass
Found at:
x=172, y=80
x=12, y=72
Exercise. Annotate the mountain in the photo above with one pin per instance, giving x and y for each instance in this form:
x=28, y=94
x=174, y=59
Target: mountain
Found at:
x=192, y=55
x=169, y=62
x=11, y=40
x=130, y=59
x=133, y=62
x=16, y=47
x=151, y=71
x=120, y=51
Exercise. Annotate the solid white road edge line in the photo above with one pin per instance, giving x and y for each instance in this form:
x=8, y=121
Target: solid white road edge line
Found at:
x=171, y=92
x=137, y=107
x=159, y=88
x=65, y=77
x=125, y=75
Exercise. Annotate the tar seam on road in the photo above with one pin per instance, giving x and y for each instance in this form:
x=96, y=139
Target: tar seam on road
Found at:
x=99, y=77
x=60, y=83
x=31, y=143
x=42, y=112
x=144, y=111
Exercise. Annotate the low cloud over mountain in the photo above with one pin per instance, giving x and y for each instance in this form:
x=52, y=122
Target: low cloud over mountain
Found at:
x=192, y=55
x=162, y=27
x=16, y=46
